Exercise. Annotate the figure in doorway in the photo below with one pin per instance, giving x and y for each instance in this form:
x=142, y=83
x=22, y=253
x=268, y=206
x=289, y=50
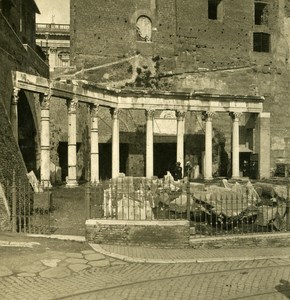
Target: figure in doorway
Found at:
x=177, y=174
x=187, y=170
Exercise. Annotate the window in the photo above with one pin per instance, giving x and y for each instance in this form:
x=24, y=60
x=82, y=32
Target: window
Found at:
x=6, y=6
x=261, y=42
x=215, y=9
x=144, y=29
x=261, y=13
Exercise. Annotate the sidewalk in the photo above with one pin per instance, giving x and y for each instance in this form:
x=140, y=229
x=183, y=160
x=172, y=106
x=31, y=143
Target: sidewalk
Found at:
x=141, y=254
x=189, y=255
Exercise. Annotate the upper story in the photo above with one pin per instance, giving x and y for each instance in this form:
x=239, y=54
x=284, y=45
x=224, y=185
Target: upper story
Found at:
x=195, y=34
x=54, y=40
x=20, y=14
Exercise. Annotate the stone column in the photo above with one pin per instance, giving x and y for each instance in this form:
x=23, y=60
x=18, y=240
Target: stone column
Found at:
x=94, y=144
x=235, y=144
x=149, y=143
x=72, y=143
x=45, y=140
x=14, y=112
x=115, y=142
x=180, y=115
x=263, y=144
x=208, y=115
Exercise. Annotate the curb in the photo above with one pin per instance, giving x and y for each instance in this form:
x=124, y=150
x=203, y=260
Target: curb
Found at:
x=98, y=248
x=18, y=244
x=75, y=238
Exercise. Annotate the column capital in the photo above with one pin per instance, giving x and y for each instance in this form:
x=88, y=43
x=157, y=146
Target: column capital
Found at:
x=115, y=112
x=208, y=115
x=180, y=115
x=94, y=109
x=235, y=116
x=15, y=97
x=72, y=105
x=150, y=114
x=45, y=100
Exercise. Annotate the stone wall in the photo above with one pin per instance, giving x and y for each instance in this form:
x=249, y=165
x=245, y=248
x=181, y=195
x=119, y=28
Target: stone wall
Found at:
x=145, y=233
x=188, y=52
x=230, y=242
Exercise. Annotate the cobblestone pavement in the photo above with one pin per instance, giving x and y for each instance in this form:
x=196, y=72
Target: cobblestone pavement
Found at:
x=113, y=279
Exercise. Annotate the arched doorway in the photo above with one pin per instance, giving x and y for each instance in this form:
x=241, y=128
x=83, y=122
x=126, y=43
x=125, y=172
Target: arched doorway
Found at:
x=27, y=133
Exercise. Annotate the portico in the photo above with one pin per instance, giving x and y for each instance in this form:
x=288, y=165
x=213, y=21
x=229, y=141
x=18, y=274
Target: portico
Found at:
x=116, y=101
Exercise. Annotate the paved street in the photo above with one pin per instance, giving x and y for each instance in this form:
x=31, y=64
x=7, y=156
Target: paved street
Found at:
x=47, y=269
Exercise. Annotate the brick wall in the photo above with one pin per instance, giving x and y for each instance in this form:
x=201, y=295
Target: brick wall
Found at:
x=146, y=233
x=262, y=240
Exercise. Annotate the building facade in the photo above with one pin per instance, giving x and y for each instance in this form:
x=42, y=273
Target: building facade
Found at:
x=54, y=40
x=20, y=145
x=215, y=47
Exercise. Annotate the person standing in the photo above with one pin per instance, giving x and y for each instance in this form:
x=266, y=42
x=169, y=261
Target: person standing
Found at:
x=177, y=174
x=187, y=170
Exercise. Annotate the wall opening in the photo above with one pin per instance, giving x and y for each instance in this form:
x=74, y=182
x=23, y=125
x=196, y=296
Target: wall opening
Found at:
x=144, y=29
x=164, y=158
x=215, y=9
x=27, y=134
x=261, y=42
x=261, y=13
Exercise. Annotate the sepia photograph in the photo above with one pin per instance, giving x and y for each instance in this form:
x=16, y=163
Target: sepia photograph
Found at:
x=144, y=149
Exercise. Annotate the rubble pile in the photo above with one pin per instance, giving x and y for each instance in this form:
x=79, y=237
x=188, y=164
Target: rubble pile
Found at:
x=131, y=198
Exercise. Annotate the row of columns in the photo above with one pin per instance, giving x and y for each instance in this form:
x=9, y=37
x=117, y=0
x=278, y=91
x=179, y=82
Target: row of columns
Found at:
x=94, y=161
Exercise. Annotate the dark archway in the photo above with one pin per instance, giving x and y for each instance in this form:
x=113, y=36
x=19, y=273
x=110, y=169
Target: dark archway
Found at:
x=27, y=133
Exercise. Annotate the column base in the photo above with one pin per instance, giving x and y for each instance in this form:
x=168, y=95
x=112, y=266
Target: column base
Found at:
x=208, y=178
x=236, y=177
x=72, y=184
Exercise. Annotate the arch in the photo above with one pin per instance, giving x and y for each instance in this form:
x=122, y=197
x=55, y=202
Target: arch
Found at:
x=144, y=29
x=27, y=133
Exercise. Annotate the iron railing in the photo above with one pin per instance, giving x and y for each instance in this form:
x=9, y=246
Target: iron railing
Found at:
x=213, y=210
x=30, y=211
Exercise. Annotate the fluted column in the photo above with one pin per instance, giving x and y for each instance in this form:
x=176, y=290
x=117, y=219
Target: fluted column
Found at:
x=149, y=143
x=208, y=115
x=235, y=144
x=14, y=112
x=94, y=144
x=115, y=142
x=45, y=140
x=180, y=115
x=72, y=142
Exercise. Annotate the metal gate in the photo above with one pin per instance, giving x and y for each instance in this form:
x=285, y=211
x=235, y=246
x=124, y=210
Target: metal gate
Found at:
x=31, y=212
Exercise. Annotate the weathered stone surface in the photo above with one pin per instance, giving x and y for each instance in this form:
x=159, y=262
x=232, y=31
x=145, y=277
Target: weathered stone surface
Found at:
x=85, y=252
x=33, y=268
x=58, y=272
x=4, y=271
x=99, y=263
x=74, y=255
x=50, y=262
x=76, y=261
x=26, y=275
x=78, y=267
x=95, y=256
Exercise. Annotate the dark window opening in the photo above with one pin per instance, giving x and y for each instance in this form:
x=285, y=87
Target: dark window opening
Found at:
x=5, y=6
x=261, y=42
x=214, y=9
x=261, y=13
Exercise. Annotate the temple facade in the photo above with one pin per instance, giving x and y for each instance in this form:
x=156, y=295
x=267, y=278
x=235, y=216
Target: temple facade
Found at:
x=160, y=82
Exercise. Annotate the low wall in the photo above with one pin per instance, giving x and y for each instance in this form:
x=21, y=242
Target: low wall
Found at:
x=242, y=241
x=146, y=233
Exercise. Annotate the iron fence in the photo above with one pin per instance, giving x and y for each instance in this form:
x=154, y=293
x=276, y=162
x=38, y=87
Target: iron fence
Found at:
x=30, y=210
x=214, y=210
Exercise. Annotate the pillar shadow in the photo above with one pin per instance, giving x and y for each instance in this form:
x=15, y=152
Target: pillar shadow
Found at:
x=284, y=288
